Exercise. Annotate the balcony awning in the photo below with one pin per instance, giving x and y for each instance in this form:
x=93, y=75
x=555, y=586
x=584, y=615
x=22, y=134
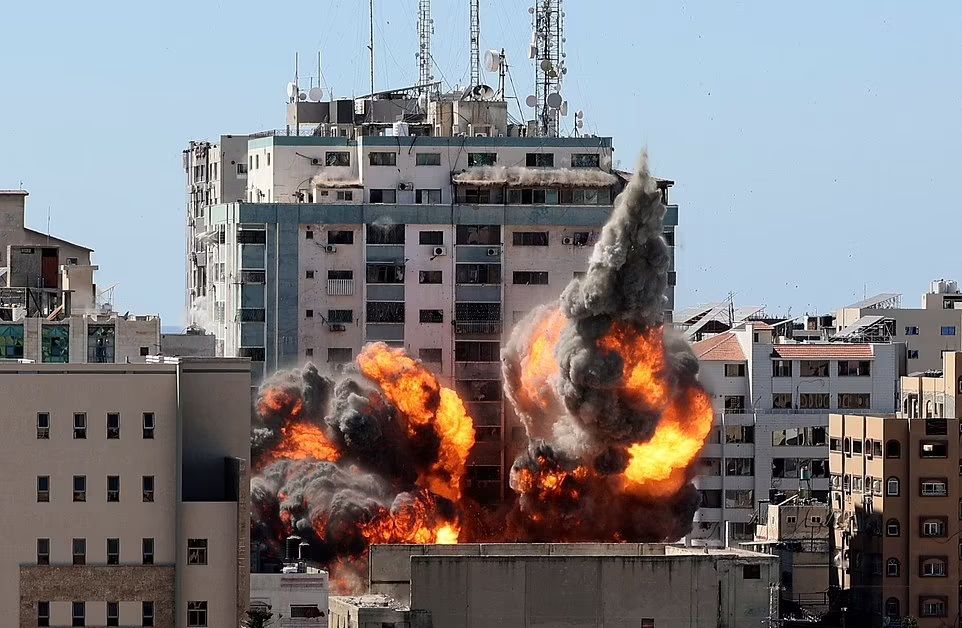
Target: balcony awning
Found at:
x=325, y=180
x=517, y=176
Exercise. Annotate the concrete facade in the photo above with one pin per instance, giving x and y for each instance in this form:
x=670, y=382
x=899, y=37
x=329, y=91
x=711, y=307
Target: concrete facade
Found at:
x=135, y=481
x=375, y=611
x=294, y=599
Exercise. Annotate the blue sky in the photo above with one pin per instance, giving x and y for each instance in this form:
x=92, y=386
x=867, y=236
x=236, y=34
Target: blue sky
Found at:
x=814, y=145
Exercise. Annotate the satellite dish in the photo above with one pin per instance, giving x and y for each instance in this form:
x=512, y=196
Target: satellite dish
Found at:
x=533, y=51
x=291, y=90
x=545, y=65
x=554, y=100
x=482, y=92
x=422, y=102
x=564, y=108
x=315, y=94
x=302, y=96
x=492, y=61
x=580, y=124
x=580, y=114
x=531, y=101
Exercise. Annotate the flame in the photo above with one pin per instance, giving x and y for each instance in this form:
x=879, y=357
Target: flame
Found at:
x=415, y=522
x=539, y=367
x=423, y=402
x=549, y=482
x=304, y=441
x=275, y=400
x=644, y=362
x=659, y=467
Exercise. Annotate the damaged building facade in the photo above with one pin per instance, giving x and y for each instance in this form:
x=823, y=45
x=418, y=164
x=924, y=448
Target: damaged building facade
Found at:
x=429, y=224
x=49, y=306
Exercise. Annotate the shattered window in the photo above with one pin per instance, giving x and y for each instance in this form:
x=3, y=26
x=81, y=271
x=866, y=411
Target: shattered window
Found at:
x=100, y=344
x=11, y=342
x=55, y=344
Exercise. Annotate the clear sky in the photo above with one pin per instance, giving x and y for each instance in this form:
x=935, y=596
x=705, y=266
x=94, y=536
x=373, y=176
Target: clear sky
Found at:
x=815, y=145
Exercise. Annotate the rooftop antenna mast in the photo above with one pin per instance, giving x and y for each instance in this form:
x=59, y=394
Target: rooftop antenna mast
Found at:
x=475, y=42
x=547, y=51
x=371, y=48
x=425, y=30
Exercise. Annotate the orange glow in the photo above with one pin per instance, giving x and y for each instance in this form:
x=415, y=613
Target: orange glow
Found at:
x=415, y=522
x=274, y=400
x=303, y=441
x=547, y=484
x=422, y=402
x=644, y=357
x=658, y=468
x=538, y=365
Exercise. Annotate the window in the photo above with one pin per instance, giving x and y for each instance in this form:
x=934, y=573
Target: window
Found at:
x=934, y=488
x=751, y=572
x=934, y=527
x=305, y=611
x=253, y=276
x=936, y=427
x=196, y=613
x=148, y=425
x=382, y=159
x=340, y=316
x=79, y=425
x=340, y=237
x=739, y=466
x=482, y=159
x=429, y=276
x=385, y=234
x=932, y=567
x=893, y=609
x=468, y=351
x=933, y=607
x=782, y=401
x=147, y=613
x=476, y=196
x=148, y=482
x=113, y=551
x=892, y=487
x=530, y=278
x=11, y=341
x=893, y=567
x=854, y=368
x=860, y=401
x=813, y=368
x=913, y=354
x=344, y=195
x=309, y=274
x=739, y=434
x=734, y=370
x=489, y=274
x=308, y=313
x=834, y=444
x=340, y=355
x=947, y=330
x=539, y=160
x=196, y=551
x=79, y=547
x=427, y=197
x=43, y=613
x=113, y=425
x=309, y=352
x=80, y=488
x=337, y=158
x=893, y=449
x=430, y=356
x=384, y=196
x=43, y=551
x=431, y=237
x=113, y=488
x=43, y=425
x=911, y=330
x=813, y=401
x=385, y=273
x=251, y=236
x=933, y=449
x=529, y=238
x=113, y=613
x=55, y=344
x=78, y=614
x=148, y=551
x=585, y=160
x=427, y=159
x=735, y=404
x=781, y=368
x=241, y=169
x=743, y=498
x=892, y=527
x=484, y=235
x=43, y=488
x=385, y=312
x=431, y=316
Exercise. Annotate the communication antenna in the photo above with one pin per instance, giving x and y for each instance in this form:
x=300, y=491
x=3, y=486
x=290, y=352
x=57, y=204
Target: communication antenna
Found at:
x=475, y=42
x=495, y=61
x=371, y=48
x=425, y=30
x=547, y=52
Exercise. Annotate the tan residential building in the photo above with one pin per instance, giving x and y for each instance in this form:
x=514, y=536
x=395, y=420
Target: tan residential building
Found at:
x=126, y=493
x=896, y=493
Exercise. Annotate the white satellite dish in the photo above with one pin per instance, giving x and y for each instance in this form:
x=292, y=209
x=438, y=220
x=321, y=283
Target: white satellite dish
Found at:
x=482, y=92
x=564, y=108
x=492, y=61
x=315, y=94
x=291, y=90
x=554, y=100
x=580, y=114
x=531, y=101
x=580, y=123
x=545, y=65
x=302, y=96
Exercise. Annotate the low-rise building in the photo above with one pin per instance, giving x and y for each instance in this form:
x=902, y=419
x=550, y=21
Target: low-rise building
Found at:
x=368, y=611
x=293, y=598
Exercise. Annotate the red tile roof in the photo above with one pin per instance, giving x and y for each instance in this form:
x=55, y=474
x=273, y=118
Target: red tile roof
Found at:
x=823, y=350
x=723, y=347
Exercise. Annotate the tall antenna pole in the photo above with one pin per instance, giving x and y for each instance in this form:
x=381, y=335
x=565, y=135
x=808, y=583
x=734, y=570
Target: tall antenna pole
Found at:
x=475, y=42
x=371, y=47
x=549, y=55
x=425, y=30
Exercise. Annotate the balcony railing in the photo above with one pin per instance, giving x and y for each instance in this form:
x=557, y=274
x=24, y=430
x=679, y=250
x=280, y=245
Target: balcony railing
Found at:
x=340, y=287
x=477, y=327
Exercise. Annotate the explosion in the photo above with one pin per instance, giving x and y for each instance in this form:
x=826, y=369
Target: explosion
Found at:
x=608, y=396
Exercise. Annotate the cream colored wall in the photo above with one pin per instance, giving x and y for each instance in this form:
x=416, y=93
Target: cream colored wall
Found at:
x=216, y=522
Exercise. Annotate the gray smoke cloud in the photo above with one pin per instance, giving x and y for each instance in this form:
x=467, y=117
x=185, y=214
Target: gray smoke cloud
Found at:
x=551, y=177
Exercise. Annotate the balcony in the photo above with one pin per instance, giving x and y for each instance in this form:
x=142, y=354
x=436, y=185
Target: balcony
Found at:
x=340, y=287
x=477, y=327
x=36, y=301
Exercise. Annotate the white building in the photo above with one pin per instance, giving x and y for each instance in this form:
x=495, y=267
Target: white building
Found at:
x=772, y=402
x=293, y=599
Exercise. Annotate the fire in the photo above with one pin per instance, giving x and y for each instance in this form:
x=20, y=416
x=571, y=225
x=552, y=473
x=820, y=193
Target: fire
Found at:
x=539, y=366
x=644, y=358
x=304, y=441
x=423, y=403
x=659, y=467
x=549, y=483
x=275, y=400
x=416, y=521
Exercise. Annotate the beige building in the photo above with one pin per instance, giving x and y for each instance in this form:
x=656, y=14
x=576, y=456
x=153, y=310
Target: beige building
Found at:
x=127, y=493
x=295, y=597
x=896, y=493
x=376, y=611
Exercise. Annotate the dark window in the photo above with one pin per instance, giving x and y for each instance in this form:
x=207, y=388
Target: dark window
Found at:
x=478, y=196
x=251, y=315
x=781, y=368
x=429, y=276
x=933, y=449
x=893, y=528
x=196, y=551
x=253, y=276
x=196, y=614
x=80, y=488
x=478, y=274
x=735, y=370
x=855, y=401
x=936, y=427
x=147, y=613
x=251, y=236
x=893, y=449
x=933, y=487
x=430, y=237
x=432, y=316
x=478, y=234
x=893, y=609
x=148, y=484
x=79, y=548
x=930, y=606
x=149, y=425
x=539, y=160
x=427, y=159
x=482, y=159
x=79, y=425
x=669, y=237
x=43, y=488
x=344, y=195
x=384, y=196
x=585, y=160
x=340, y=316
x=530, y=277
x=466, y=351
x=256, y=354
x=308, y=313
x=305, y=611
x=529, y=238
x=385, y=273
x=818, y=401
x=385, y=234
x=782, y=400
x=430, y=356
x=43, y=613
x=78, y=613
x=113, y=488
x=339, y=355
x=854, y=368
x=427, y=197
x=43, y=425
x=340, y=274
x=340, y=237
x=933, y=527
x=751, y=572
x=382, y=159
x=113, y=425
x=148, y=551
x=113, y=613
x=337, y=158
x=144, y=351
x=43, y=551
x=113, y=551
x=385, y=312
x=477, y=311
x=813, y=368
x=893, y=568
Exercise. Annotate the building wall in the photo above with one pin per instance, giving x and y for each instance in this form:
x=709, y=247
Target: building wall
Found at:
x=133, y=337
x=281, y=591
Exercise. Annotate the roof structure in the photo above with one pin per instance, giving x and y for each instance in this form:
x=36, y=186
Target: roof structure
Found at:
x=41, y=234
x=713, y=317
x=723, y=347
x=885, y=300
x=811, y=350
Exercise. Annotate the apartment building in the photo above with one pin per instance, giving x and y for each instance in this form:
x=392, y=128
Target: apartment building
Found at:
x=421, y=235
x=927, y=332
x=127, y=493
x=772, y=400
x=49, y=307
x=898, y=504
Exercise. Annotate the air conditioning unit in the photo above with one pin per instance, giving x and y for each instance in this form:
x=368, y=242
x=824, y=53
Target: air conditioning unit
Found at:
x=330, y=248
x=337, y=327
x=405, y=186
x=439, y=251
x=492, y=252
x=567, y=240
